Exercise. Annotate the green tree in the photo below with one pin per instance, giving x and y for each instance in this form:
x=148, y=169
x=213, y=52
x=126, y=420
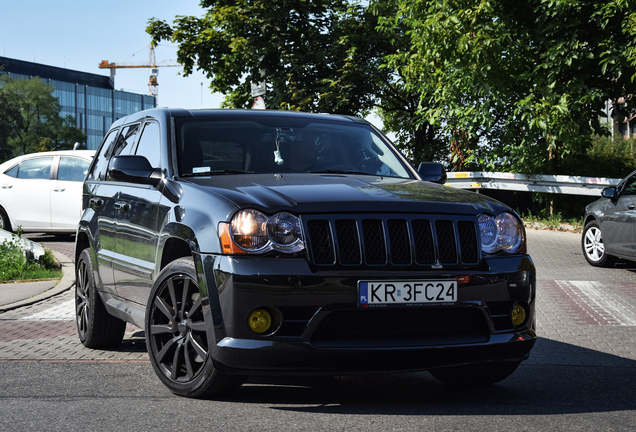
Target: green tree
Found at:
x=32, y=117
x=521, y=84
x=313, y=55
x=318, y=56
x=8, y=112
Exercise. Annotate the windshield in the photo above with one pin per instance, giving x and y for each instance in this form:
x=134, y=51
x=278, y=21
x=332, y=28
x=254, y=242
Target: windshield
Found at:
x=235, y=145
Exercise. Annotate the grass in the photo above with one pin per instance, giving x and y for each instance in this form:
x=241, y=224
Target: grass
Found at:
x=553, y=222
x=14, y=265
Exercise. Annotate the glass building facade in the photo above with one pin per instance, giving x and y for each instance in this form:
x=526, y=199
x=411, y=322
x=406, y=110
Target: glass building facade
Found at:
x=90, y=99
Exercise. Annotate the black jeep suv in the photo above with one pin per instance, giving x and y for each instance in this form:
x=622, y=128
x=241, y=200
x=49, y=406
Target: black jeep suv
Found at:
x=260, y=242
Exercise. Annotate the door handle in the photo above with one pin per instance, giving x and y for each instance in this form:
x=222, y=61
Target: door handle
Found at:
x=6, y=186
x=122, y=206
x=59, y=189
x=631, y=206
x=95, y=202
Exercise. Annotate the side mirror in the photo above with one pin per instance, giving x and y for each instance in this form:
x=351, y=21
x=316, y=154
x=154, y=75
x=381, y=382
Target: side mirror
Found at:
x=134, y=169
x=609, y=192
x=432, y=171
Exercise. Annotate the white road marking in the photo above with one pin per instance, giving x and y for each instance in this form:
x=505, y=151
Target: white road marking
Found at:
x=62, y=312
x=603, y=301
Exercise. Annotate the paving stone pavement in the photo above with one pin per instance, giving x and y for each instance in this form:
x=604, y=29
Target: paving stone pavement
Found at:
x=586, y=316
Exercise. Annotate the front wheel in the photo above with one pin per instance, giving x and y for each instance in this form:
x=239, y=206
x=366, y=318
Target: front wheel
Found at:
x=476, y=375
x=594, y=248
x=176, y=336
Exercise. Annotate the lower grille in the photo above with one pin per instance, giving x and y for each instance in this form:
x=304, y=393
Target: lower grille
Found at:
x=402, y=327
x=387, y=241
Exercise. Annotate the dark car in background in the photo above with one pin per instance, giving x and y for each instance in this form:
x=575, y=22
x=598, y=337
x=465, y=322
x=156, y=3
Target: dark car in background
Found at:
x=274, y=243
x=609, y=225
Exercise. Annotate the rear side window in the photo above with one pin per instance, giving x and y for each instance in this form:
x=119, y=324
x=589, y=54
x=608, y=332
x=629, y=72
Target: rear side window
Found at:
x=38, y=168
x=98, y=172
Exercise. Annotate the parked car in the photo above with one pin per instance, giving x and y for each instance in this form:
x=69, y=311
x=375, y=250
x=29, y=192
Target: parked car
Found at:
x=42, y=192
x=609, y=223
x=271, y=243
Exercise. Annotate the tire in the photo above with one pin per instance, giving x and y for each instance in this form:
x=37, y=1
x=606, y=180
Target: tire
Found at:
x=476, y=375
x=96, y=328
x=594, y=248
x=5, y=223
x=176, y=336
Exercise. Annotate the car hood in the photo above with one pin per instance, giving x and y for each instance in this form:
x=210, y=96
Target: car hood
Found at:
x=321, y=193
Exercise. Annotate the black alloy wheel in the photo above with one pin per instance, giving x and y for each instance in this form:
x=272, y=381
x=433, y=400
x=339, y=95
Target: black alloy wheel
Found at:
x=176, y=335
x=96, y=328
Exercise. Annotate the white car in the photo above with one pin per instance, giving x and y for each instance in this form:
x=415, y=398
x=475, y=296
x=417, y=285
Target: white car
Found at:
x=42, y=192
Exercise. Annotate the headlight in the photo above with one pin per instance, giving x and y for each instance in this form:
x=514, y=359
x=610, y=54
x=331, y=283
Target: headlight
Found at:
x=501, y=233
x=283, y=229
x=249, y=230
x=254, y=232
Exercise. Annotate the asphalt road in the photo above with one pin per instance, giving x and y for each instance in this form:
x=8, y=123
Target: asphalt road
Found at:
x=580, y=376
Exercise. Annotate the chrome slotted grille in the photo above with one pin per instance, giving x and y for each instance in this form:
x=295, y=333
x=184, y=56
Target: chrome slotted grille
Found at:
x=390, y=241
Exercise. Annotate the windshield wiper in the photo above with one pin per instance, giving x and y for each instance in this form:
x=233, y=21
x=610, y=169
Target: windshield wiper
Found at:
x=337, y=171
x=216, y=172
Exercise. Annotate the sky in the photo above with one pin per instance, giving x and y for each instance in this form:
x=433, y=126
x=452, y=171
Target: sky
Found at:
x=79, y=34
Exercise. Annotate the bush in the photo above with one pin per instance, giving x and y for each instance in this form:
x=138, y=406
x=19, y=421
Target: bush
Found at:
x=12, y=260
x=14, y=265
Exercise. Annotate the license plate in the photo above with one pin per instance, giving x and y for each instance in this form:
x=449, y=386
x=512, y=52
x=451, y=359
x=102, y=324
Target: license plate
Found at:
x=395, y=293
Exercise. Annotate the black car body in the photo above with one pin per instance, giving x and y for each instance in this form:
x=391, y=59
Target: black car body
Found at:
x=609, y=223
x=199, y=228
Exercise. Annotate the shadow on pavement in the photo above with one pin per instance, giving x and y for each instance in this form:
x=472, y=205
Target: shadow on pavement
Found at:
x=534, y=389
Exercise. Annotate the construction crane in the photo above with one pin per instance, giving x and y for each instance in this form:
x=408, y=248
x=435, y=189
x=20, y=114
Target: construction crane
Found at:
x=152, y=64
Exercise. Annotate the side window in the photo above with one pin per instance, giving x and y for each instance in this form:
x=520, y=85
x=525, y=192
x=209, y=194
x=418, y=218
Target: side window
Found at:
x=150, y=145
x=126, y=140
x=630, y=186
x=98, y=172
x=13, y=172
x=37, y=168
x=72, y=169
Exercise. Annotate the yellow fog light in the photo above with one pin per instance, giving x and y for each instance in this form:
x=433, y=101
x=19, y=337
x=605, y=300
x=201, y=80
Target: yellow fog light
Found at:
x=518, y=315
x=260, y=321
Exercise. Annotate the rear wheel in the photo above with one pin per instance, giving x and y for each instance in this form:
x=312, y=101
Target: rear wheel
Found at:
x=476, y=375
x=594, y=248
x=96, y=328
x=176, y=336
x=5, y=224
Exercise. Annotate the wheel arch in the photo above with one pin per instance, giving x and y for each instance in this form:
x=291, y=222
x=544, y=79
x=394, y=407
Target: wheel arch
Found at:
x=589, y=218
x=4, y=213
x=173, y=249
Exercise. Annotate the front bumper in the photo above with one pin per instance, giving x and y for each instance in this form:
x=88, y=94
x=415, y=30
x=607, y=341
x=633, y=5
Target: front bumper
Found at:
x=321, y=329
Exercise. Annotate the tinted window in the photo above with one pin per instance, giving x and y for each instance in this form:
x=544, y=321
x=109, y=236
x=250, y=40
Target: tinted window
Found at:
x=72, y=169
x=283, y=144
x=101, y=159
x=630, y=186
x=38, y=168
x=126, y=140
x=149, y=144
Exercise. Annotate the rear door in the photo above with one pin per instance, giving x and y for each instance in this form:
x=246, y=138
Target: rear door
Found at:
x=99, y=199
x=66, y=192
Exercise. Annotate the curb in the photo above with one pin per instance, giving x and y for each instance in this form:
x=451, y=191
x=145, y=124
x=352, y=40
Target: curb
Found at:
x=64, y=284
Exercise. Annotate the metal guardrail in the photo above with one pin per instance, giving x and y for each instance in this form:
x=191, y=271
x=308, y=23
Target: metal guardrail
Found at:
x=571, y=185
